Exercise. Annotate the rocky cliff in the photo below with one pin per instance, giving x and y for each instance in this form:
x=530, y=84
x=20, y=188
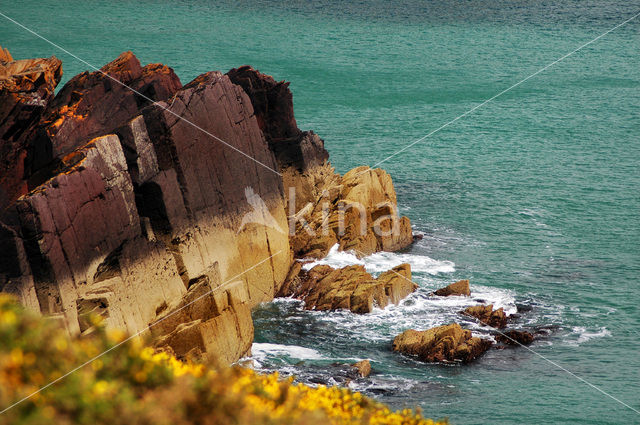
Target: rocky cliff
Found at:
x=134, y=197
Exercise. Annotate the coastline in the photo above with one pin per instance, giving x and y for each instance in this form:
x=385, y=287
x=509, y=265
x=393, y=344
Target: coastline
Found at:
x=520, y=198
x=144, y=208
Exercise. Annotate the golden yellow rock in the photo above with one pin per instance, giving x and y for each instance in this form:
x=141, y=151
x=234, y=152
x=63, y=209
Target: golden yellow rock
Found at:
x=351, y=287
x=487, y=315
x=460, y=287
x=358, y=211
x=210, y=321
x=398, y=283
x=445, y=343
x=5, y=56
x=363, y=367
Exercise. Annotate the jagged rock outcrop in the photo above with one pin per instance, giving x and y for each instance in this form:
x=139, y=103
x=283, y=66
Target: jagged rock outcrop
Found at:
x=351, y=288
x=26, y=87
x=166, y=205
x=357, y=210
x=487, y=315
x=459, y=288
x=273, y=106
x=5, y=56
x=128, y=220
x=92, y=104
x=447, y=343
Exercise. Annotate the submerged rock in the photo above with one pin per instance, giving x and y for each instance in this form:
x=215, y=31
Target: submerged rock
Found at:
x=515, y=337
x=445, y=343
x=487, y=315
x=351, y=288
x=460, y=287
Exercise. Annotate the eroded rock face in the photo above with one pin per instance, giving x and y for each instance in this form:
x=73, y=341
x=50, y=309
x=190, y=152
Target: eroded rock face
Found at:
x=273, y=105
x=446, y=343
x=351, y=288
x=487, y=315
x=231, y=195
x=81, y=233
x=133, y=209
x=362, y=200
x=26, y=87
x=212, y=321
x=460, y=288
x=92, y=104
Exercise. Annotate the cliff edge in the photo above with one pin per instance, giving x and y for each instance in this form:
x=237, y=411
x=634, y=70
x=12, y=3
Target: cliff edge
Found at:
x=149, y=202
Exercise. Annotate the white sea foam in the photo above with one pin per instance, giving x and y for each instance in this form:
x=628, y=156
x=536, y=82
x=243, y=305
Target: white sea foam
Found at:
x=262, y=350
x=583, y=334
x=419, y=310
x=383, y=261
x=499, y=297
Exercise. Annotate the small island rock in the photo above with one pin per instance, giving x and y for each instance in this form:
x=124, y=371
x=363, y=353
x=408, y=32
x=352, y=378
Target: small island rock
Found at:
x=351, y=288
x=487, y=315
x=445, y=343
x=460, y=287
x=363, y=368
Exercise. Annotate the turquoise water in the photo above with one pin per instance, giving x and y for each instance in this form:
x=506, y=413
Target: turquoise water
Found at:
x=534, y=197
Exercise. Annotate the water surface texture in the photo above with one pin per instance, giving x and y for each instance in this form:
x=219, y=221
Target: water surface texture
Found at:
x=534, y=196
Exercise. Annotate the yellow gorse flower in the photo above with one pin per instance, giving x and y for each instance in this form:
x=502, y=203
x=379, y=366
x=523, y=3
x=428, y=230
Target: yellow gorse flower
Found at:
x=137, y=384
x=281, y=398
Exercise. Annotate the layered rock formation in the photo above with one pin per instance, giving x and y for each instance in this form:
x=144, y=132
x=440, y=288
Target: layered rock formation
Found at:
x=446, y=343
x=351, y=288
x=487, y=315
x=131, y=196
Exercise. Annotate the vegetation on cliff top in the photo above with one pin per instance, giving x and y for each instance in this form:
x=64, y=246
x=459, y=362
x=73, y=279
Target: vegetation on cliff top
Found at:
x=132, y=384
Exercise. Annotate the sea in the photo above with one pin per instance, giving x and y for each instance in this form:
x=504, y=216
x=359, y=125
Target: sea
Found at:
x=512, y=133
